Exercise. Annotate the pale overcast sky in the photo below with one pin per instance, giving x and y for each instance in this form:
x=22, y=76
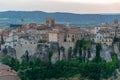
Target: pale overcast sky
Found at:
x=73, y=6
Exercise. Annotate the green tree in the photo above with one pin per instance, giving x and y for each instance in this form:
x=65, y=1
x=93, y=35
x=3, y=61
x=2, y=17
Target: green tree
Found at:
x=2, y=40
x=98, y=49
x=12, y=62
x=50, y=55
x=69, y=53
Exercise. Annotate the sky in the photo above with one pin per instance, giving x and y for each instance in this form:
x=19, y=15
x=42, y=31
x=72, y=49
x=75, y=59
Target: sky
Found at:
x=72, y=6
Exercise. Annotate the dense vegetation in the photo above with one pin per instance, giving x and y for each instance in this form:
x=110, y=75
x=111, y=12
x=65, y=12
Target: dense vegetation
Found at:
x=38, y=70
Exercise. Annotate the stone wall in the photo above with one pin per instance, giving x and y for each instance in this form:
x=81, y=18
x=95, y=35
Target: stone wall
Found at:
x=66, y=45
x=20, y=50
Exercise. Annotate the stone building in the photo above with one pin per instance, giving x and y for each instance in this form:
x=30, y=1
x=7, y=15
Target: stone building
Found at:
x=32, y=25
x=49, y=22
x=74, y=34
x=116, y=22
x=105, y=36
x=25, y=43
x=56, y=35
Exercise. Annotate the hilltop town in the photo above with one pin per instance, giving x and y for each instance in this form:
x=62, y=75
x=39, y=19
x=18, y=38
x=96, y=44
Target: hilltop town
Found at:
x=51, y=37
x=57, y=42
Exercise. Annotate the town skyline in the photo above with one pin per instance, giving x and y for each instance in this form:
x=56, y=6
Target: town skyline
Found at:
x=59, y=39
x=69, y=6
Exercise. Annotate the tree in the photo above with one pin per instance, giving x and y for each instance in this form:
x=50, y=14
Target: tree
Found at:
x=69, y=53
x=6, y=60
x=98, y=49
x=27, y=55
x=24, y=65
x=2, y=40
x=90, y=70
x=50, y=55
x=10, y=61
x=5, y=51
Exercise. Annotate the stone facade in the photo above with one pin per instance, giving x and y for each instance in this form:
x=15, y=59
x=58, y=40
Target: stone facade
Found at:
x=49, y=22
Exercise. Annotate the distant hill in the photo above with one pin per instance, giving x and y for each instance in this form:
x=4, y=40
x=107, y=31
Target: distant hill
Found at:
x=9, y=17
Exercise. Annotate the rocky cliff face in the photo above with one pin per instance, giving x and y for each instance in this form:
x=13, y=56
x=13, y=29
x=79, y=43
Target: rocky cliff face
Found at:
x=7, y=74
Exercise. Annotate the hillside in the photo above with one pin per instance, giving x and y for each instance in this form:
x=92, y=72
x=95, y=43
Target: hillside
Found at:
x=9, y=17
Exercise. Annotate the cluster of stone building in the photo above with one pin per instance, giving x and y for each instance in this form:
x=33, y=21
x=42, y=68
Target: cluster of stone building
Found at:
x=27, y=37
x=106, y=33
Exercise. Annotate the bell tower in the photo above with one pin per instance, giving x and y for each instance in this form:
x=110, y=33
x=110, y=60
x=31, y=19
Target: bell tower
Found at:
x=116, y=22
x=49, y=22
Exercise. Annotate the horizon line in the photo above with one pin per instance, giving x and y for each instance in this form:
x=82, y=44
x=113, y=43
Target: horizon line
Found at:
x=102, y=13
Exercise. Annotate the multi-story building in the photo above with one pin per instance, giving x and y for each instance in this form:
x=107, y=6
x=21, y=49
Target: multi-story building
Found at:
x=105, y=36
x=74, y=34
x=50, y=22
x=56, y=35
x=116, y=22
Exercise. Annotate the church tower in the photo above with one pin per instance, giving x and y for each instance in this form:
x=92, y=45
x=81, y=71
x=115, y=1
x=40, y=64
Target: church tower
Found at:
x=116, y=22
x=50, y=22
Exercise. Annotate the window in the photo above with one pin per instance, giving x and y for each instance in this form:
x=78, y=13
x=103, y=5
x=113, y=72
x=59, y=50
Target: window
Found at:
x=81, y=35
x=72, y=35
x=14, y=44
x=65, y=40
x=100, y=37
x=68, y=36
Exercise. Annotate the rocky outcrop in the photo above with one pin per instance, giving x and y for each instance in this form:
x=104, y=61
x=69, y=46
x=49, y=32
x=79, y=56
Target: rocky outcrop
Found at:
x=7, y=74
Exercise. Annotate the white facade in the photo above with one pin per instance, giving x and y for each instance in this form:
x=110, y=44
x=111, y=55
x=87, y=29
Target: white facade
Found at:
x=98, y=37
x=11, y=40
x=24, y=45
x=53, y=37
x=70, y=38
x=104, y=39
x=22, y=42
x=96, y=29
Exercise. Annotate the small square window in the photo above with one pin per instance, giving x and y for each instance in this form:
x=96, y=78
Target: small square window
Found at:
x=14, y=44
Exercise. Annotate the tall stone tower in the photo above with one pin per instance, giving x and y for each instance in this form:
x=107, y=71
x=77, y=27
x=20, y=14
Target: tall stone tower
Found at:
x=116, y=21
x=50, y=22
